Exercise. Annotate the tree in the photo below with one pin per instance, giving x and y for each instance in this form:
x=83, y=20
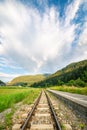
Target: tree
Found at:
x=71, y=82
x=79, y=83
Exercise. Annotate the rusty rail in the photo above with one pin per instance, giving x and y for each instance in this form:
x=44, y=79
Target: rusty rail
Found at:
x=30, y=113
x=57, y=125
x=53, y=113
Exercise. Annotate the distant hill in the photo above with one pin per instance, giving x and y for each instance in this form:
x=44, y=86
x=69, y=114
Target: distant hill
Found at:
x=47, y=75
x=2, y=83
x=27, y=79
x=73, y=72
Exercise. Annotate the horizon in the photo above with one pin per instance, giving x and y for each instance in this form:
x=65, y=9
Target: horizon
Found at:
x=41, y=73
x=42, y=36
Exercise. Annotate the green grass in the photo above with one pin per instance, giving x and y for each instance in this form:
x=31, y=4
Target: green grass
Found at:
x=8, y=97
x=8, y=118
x=32, y=96
x=76, y=90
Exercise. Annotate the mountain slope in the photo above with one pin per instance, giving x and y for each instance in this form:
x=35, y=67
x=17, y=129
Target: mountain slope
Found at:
x=73, y=71
x=71, y=67
x=29, y=79
x=2, y=83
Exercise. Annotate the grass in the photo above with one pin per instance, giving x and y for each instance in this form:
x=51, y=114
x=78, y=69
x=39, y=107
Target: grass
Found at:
x=8, y=118
x=81, y=126
x=8, y=97
x=72, y=89
x=32, y=96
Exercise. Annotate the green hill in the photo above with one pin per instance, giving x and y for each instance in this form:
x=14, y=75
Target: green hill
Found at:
x=73, y=74
x=71, y=67
x=28, y=79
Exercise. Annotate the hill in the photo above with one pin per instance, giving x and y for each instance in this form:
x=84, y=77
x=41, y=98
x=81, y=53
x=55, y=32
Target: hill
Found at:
x=27, y=79
x=2, y=83
x=72, y=74
x=71, y=67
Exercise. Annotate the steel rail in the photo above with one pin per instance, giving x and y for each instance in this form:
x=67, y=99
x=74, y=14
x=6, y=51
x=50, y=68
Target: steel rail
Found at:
x=30, y=113
x=53, y=113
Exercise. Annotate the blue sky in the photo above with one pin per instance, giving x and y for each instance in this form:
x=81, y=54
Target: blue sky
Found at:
x=41, y=36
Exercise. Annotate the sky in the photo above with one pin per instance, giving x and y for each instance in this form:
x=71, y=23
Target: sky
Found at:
x=41, y=36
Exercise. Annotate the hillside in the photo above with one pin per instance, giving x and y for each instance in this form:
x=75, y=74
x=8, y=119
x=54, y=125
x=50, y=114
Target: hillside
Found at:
x=73, y=72
x=69, y=68
x=29, y=79
x=2, y=83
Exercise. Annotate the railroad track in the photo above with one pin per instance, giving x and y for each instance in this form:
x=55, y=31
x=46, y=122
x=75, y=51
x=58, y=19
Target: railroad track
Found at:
x=76, y=102
x=42, y=115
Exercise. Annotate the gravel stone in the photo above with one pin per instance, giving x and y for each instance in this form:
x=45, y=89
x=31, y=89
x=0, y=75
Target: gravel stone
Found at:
x=16, y=127
x=68, y=116
x=67, y=127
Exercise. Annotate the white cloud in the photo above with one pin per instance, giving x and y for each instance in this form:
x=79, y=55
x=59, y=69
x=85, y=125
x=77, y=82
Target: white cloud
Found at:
x=72, y=10
x=42, y=2
x=38, y=43
x=6, y=77
x=81, y=48
x=83, y=36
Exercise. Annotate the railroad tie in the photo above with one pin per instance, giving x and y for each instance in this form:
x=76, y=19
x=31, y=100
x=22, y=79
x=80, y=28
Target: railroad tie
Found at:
x=42, y=127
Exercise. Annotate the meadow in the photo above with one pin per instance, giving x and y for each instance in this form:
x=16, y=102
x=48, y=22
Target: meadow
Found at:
x=71, y=89
x=10, y=96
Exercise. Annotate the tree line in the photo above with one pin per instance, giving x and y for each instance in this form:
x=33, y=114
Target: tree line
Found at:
x=77, y=77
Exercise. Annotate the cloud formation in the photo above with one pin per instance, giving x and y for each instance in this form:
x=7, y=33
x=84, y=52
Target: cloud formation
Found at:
x=40, y=43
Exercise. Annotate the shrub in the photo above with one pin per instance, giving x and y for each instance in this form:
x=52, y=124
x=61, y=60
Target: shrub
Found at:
x=79, y=83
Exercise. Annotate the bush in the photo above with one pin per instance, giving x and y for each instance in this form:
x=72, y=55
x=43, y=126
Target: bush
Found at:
x=59, y=82
x=71, y=83
x=79, y=83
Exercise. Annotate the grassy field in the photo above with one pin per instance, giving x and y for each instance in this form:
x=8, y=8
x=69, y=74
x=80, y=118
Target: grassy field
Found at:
x=11, y=95
x=71, y=89
x=8, y=97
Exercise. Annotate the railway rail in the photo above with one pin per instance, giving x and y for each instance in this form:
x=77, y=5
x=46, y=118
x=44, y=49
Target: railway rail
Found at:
x=42, y=116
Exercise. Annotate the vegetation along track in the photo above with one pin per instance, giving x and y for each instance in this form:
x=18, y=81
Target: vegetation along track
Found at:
x=42, y=115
